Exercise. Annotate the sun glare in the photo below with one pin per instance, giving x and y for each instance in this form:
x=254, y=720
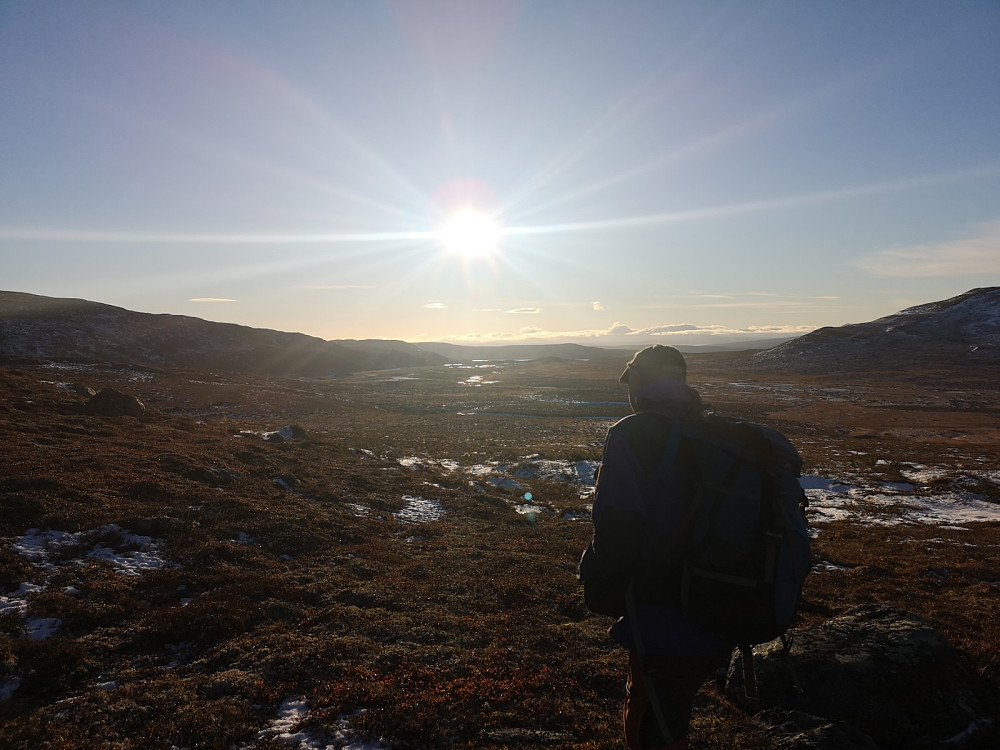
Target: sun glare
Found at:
x=470, y=234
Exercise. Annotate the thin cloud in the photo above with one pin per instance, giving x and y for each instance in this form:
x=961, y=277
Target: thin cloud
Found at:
x=436, y=306
x=336, y=287
x=682, y=330
x=211, y=299
x=979, y=254
x=598, y=306
x=677, y=328
x=524, y=311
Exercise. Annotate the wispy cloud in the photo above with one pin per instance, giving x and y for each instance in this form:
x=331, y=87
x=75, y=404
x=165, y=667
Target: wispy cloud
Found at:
x=211, y=299
x=598, y=306
x=336, y=287
x=524, y=311
x=681, y=330
x=676, y=328
x=436, y=306
x=978, y=254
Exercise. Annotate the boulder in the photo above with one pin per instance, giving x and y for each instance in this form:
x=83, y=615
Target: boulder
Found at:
x=111, y=403
x=881, y=670
x=82, y=390
x=795, y=730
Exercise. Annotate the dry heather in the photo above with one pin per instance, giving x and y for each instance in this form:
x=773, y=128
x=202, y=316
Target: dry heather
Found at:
x=186, y=579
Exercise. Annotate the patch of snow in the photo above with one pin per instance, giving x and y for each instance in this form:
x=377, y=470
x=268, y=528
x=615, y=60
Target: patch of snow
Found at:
x=504, y=483
x=41, y=628
x=897, y=486
x=826, y=567
x=131, y=563
x=416, y=462
x=830, y=500
x=419, y=510
x=529, y=510
x=136, y=555
x=37, y=547
x=280, y=435
x=483, y=470
x=286, y=730
x=580, y=472
x=811, y=482
x=989, y=475
x=16, y=601
x=953, y=508
x=924, y=474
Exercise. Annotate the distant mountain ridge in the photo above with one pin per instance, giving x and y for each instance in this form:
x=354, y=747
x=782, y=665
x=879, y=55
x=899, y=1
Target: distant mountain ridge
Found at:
x=77, y=330
x=962, y=330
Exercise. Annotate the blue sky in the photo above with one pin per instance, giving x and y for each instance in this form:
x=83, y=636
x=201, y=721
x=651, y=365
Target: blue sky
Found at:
x=654, y=171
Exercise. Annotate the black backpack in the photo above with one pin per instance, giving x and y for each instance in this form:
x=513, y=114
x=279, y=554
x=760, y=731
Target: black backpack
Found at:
x=737, y=562
x=744, y=545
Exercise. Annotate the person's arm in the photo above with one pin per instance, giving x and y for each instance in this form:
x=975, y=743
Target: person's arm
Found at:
x=619, y=512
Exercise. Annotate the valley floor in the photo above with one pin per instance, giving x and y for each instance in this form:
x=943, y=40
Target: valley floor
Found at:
x=388, y=560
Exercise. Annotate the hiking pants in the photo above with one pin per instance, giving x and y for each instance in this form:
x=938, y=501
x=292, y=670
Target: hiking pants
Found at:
x=671, y=681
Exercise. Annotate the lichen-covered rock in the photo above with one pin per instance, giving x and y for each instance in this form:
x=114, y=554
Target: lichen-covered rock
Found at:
x=882, y=670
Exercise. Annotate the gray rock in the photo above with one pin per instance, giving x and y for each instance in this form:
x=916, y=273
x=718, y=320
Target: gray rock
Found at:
x=795, y=730
x=111, y=403
x=884, y=671
x=82, y=390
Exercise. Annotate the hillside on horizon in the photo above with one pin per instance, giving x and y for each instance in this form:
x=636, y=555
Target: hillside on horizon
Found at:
x=963, y=330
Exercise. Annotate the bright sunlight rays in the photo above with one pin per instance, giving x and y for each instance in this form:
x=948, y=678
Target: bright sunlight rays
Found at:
x=470, y=234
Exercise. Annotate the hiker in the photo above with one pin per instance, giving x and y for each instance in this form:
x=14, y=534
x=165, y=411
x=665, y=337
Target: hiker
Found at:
x=638, y=502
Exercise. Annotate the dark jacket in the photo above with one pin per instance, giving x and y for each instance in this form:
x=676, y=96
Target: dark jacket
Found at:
x=638, y=504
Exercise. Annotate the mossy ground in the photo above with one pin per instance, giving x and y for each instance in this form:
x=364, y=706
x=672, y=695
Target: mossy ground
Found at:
x=465, y=631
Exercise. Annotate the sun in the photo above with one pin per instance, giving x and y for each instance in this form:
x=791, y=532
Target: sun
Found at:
x=470, y=234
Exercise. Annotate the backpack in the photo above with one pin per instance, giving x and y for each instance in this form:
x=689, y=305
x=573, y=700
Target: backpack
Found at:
x=743, y=544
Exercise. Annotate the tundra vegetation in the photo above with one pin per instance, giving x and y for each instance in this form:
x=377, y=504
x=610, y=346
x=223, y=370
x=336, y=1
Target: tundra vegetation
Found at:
x=390, y=557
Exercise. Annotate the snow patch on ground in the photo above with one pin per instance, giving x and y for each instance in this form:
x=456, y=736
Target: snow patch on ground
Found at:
x=287, y=729
x=832, y=500
x=511, y=477
x=128, y=554
x=419, y=510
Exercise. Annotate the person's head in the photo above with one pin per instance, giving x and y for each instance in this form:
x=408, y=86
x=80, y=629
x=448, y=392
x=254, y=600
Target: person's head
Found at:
x=657, y=362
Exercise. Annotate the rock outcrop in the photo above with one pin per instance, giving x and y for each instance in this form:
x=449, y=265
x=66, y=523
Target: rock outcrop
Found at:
x=882, y=671
x=113, y=403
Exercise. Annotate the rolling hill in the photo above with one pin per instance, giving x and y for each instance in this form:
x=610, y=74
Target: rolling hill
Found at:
x=962, y=330
x=77, y=330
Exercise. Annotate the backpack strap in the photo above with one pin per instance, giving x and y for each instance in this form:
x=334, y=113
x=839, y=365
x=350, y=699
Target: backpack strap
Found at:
x=749, y=676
